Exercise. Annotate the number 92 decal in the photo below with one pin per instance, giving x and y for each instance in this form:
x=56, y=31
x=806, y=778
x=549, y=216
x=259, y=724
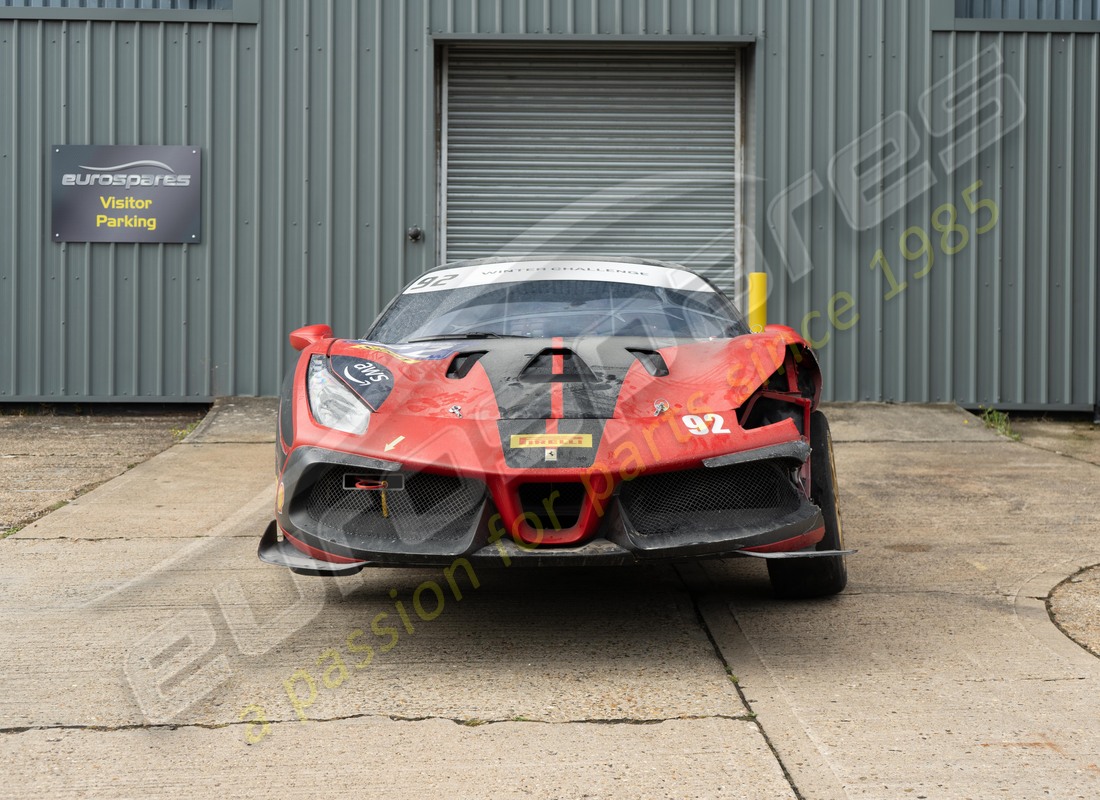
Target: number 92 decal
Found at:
x=431, y=283
x=707, y=423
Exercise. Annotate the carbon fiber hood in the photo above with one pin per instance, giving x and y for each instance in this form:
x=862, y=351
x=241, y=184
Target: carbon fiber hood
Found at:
x=538, y=379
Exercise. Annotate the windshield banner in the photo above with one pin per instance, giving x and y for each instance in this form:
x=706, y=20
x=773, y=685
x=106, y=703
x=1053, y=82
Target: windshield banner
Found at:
x=522, y=271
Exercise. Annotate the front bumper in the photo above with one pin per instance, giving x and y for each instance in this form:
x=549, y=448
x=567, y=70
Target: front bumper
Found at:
x=329, y=528
x=280, y=552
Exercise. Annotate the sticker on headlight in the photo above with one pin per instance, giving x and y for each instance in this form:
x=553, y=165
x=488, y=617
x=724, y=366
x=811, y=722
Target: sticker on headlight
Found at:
x=368, y=379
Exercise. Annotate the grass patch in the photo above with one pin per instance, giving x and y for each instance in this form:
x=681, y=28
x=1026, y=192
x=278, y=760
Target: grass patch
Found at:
x=21, y=524
x=179, y=434
x=999, y=422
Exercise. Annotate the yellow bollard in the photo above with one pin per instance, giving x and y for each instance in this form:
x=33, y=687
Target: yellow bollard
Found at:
x=758, y=301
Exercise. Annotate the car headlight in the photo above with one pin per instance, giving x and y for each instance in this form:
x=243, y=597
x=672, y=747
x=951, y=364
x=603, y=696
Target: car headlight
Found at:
x=333, y=404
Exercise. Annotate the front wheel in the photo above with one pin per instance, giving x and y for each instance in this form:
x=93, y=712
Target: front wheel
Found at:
x=802, y=578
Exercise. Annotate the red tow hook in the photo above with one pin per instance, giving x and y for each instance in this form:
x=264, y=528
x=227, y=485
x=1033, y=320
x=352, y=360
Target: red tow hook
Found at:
x=370, y=485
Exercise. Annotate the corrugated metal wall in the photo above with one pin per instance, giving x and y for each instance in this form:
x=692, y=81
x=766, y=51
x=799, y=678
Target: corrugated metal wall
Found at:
x=1028, y=9
x=318, y=132
x=1008, y=319
x=318, y=144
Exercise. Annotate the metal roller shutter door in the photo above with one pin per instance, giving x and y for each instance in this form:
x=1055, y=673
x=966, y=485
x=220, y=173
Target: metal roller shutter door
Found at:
x=626, y=151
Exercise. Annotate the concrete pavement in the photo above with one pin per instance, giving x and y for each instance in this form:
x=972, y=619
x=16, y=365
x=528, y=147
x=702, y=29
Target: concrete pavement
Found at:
x=1074, y=603
x=47, y=459
x=938, y=673
x=146, y=651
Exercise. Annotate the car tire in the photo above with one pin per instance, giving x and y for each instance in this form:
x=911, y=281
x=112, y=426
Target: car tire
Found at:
x=802, y=578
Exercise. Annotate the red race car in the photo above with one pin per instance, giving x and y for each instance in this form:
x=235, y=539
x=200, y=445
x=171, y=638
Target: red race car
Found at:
x=556, y=412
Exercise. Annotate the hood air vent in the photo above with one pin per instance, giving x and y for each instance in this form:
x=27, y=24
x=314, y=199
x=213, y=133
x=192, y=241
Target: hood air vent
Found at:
x=556, y=365
x=652, y=360
x=462, y=363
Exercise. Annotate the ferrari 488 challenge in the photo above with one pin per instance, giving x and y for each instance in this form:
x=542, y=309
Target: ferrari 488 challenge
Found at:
x=562, y=411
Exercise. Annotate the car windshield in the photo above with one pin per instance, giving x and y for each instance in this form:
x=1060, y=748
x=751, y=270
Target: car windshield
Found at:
x=560, y=307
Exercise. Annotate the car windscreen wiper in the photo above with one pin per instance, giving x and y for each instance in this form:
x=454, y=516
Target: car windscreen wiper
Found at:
x=442, y=337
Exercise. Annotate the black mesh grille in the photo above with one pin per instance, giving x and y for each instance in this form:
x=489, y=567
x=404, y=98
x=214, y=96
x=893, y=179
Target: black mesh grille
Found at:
x=556, y=506
x=737, y=496
x=433, y=507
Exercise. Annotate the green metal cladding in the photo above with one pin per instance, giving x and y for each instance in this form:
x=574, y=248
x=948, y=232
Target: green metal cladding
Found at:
x=923, y=189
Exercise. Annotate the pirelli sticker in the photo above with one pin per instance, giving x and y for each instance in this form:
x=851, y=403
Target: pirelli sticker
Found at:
x=552, y=440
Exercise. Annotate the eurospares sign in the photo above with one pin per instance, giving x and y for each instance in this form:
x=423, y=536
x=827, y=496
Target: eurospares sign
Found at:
x=117, y=193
